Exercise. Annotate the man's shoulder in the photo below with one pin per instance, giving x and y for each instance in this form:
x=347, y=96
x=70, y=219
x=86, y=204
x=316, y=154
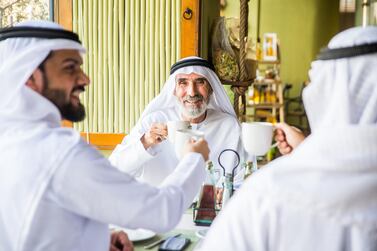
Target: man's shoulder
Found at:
x=215, y=115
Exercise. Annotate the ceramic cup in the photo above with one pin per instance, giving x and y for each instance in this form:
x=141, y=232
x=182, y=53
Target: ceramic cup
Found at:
x=257, y=137
x=182, y=137
x=173, y=126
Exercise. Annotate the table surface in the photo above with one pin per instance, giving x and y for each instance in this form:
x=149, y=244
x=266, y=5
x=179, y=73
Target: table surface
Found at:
x=186, y=227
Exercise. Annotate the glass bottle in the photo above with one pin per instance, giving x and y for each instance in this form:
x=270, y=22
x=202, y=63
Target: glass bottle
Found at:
x=211, y=179
x=258, y=50
x=248, y=169
x=228, y=188
x=207, y=199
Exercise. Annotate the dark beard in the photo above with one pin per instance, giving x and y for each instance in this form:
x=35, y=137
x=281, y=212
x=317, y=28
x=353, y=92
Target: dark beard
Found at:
x=58, y=97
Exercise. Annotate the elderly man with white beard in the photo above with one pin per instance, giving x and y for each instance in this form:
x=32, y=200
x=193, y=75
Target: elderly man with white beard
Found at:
x=193, y=93
x=323, y=195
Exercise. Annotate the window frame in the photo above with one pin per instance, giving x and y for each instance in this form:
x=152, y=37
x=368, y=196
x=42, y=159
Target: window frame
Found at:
x=62, y=13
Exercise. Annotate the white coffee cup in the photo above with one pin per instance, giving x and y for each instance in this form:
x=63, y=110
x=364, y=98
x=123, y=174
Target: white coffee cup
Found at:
x=173, y=126
x=182, y=137
x=257, y=137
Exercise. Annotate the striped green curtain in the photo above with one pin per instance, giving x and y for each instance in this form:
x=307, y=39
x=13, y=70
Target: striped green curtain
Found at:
x=131, y=45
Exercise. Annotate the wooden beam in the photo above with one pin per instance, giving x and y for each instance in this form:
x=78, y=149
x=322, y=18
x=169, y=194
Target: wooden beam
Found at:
x=63, y=13
x=103, y=141
x=190, y=27
x=63, y=16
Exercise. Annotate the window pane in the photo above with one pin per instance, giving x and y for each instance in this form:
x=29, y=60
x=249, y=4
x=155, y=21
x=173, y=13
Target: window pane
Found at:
x=347, y=6
x=14, y=11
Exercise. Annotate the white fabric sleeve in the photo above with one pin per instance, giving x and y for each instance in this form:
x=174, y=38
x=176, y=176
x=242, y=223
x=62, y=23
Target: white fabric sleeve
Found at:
x=130, y=155
x=88, y=185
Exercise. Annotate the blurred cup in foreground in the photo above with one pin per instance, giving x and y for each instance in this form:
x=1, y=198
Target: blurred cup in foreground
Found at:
x=173, y=126
x=182, y=137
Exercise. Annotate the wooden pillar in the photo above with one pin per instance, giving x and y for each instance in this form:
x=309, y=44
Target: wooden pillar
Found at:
x=190, y=28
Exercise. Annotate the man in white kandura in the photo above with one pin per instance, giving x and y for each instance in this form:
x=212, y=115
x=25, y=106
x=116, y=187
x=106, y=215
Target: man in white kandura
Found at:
x=56, y=191
x=192, y=93
x=323, y=195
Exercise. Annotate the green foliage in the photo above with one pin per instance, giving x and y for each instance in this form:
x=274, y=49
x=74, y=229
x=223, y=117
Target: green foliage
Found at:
x=14, y=11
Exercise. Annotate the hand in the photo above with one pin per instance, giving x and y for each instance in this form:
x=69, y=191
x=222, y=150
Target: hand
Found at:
x=120, y=242
x=156, y=134
x=200, y=146
x=287, y=137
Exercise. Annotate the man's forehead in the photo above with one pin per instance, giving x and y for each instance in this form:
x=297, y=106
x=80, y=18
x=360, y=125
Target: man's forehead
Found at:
x=63, y=55
x=189, y=76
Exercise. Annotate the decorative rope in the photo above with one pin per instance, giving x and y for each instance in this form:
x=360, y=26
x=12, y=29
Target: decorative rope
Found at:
x=243, y=36
x=239, y=92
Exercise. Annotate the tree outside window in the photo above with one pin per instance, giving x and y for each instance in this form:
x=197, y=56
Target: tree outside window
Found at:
x=14, y=11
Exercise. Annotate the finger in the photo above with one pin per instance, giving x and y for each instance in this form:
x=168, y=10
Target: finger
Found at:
x=123, y=238
x=159, y=127
x=283, y=144
x=282, y=126
x=296, y=129
x=159, y=133
x=280, y=138
x=279, y=132
x=129, y=247
x=114, y=236
x=114, y=248
x=287, y=150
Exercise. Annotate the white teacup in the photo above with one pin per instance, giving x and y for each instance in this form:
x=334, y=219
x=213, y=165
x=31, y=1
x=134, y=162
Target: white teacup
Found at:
x=173, y=126
x=182, y=137
x=257, y=137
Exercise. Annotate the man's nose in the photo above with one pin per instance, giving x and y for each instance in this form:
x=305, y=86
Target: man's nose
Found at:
x=83, y=79
x=191, y=89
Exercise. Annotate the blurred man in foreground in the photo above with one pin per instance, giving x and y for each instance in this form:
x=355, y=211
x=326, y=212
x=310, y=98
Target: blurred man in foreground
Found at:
x=321, y=196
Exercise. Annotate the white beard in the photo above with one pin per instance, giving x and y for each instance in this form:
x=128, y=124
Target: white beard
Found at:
x=192, y=112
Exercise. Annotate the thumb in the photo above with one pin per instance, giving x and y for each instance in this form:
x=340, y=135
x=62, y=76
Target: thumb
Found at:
x=282, y=126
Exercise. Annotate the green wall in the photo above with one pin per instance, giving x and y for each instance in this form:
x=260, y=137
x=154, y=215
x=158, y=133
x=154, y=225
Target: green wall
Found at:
x=302, y=27
x=211, y=11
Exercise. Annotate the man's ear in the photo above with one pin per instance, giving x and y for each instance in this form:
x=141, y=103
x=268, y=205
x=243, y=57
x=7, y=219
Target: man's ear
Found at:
x=210, y=90
x=35, y=81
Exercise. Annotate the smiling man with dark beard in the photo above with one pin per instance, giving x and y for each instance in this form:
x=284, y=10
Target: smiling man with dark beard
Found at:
x=70, y=110
x=193, y=93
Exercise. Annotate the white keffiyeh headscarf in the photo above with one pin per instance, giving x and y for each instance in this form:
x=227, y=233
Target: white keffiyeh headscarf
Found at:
x=19, y=58
x=218, y=100
x=32, y=143
x=344, y=91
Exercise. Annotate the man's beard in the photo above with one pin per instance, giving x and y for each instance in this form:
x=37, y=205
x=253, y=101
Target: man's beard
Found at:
x=193, y=112
x=58, y=97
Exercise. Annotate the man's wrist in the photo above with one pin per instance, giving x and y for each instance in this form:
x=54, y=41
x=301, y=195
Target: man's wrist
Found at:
x=144, y=142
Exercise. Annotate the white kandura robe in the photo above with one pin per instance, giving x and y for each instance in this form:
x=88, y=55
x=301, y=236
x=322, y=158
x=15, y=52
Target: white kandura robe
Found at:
x=221, y=128
x=326, y=201
x=221, y=131
x=322, y=196
x=56, y=191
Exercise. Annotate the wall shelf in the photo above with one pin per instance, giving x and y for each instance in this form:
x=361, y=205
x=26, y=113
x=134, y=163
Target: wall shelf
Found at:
x=265, y=100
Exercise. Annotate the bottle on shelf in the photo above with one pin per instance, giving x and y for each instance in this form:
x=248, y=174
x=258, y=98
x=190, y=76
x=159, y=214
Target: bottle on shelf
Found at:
x=258, y=50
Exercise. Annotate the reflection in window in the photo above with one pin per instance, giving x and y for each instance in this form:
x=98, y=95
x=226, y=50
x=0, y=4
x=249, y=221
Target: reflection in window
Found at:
x=14, y=11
